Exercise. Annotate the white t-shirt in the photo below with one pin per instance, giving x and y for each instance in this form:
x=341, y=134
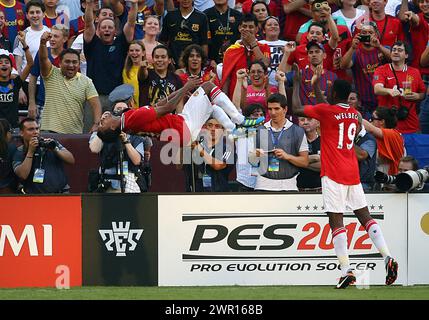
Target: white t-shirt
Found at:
x=391, y=7
x=32, y=38
x=276, y=50
x=349, y=21
x=78, y=45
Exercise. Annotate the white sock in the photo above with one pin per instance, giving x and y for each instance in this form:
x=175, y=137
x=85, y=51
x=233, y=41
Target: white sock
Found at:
x=221, y=99
x=339, y=238
x=223, y=118
x=376, y=235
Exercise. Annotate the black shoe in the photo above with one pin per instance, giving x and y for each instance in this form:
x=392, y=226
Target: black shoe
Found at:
x=391, y=271
x=347, y=280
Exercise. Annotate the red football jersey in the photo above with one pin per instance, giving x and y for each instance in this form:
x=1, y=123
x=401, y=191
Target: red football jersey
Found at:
x=419, y=40
x=386, y=77
x=145, y=119
x=338, y=125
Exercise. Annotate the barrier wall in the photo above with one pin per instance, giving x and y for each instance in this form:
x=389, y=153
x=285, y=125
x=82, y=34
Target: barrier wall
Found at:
x=188, y=239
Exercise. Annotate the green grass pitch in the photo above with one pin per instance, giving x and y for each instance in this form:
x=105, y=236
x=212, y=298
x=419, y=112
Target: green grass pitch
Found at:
x=219, y=293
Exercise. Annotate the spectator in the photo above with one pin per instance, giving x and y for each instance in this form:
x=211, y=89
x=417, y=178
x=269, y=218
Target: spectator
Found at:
x=36, y=92
x=390, y=144
x=159, y=82
x=299, y=55
x=143, y=12
x=35, y=12
x=194, y=61
x=151, y=28
x=223, y=26
x=308, y=179
x=242, y=53
x=8, y=180
x=40, y=167
x=132, y=147
x=365, y=55
x=256, y=87
x=136, y=59
x=316, y=54
x=14, y=18
x=297, y=13
x=348, y=12
x=4, y=41
x=399, y=85
x=66, y=92
x=321, y=12
x=216, y=160
x=246, y=173
x=390, y=27
x=105, y=53
x=54, y=16
x=354, y=101
x=365, y=147
x=183, y=27
x=271, y=31
x=285, y=151
x=77, y=24
x=261, y=11
x=11, y=85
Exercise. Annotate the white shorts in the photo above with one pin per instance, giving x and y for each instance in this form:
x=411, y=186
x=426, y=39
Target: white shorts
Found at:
x=197, y=111
x=339, y=198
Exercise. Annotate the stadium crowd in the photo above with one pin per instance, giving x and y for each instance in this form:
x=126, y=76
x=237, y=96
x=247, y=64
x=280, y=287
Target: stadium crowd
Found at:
x=65, y=64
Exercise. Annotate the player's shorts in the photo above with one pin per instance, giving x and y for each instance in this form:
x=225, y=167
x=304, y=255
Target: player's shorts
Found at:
x=339, y=198
x=196, y=112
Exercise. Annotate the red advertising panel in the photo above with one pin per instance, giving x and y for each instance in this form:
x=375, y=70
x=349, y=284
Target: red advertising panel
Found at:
x=40, y=241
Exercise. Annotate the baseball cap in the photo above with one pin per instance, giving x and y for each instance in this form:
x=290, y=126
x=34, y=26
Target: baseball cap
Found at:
x=315, y=44
x=124, y=92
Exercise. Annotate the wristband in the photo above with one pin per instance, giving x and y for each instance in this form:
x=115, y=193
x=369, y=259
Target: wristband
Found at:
x=126, y=142
x=29, y=157
x=25, y=48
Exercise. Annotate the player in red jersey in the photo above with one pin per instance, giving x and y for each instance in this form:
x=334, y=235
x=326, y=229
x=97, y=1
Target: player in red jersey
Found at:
x=341, y=185
x=208, y=100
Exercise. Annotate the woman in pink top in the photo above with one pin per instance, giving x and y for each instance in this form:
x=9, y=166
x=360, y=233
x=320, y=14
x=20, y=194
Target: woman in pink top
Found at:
x=254, y=87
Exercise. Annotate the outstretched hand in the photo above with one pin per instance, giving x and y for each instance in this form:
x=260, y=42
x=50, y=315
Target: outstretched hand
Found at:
x=317, y=75
x=192, y=83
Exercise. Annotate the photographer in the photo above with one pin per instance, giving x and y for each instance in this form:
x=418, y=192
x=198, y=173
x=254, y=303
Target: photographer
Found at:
x=39, y=162
x=133, y=148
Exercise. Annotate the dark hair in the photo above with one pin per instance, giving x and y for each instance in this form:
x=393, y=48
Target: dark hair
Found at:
x=388, y=115
x=251, y=108
x=400, y=44
x=187, y=53
x=342, y=89
x=411, y=159
x=278, y=98
x=260, y=2
x=25, y=120
x=102, y=8
x=110, y=135
x=248, y=17
x=261, y=63
x=69, y=51
x=161, y=46
x=34, y=3
x=317, y=24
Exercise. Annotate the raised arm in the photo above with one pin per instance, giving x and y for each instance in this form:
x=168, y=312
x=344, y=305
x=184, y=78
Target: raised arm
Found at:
x=369, y=127
x=297, y=107
x=289, y=47
x=131, y=21
x=95, y=104
x=281, y=80
x=89, y=31
x=45, y=63
x=30, y=62
x=117, y=7
x=236, y=97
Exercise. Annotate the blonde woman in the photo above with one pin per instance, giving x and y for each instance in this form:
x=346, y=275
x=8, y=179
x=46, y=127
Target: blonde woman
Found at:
x=151, y=28
x=136, y=59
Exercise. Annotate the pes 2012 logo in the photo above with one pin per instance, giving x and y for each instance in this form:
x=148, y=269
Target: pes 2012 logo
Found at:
x=120, y=235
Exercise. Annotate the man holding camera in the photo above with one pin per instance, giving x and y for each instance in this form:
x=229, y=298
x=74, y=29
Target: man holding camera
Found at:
x=39, y=162
x=364, y=56
x=399, y=85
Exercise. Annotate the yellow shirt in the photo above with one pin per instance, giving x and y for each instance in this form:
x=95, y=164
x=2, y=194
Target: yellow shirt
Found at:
x=132, y=80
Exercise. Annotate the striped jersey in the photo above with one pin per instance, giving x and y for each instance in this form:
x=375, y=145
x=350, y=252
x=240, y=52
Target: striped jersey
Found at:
x=307, y=93
x=14, y=19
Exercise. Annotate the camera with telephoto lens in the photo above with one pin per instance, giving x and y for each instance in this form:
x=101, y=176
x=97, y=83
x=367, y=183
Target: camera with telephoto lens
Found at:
x=47, y=144
x=410, y=180
x=382, y=177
